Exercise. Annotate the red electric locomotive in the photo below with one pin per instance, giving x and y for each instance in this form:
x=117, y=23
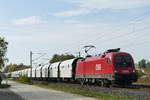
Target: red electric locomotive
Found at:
x=112, y=67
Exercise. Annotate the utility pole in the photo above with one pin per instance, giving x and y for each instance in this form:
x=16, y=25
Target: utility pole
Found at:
x=31, y=63
x=32, y=60
x=79, y=54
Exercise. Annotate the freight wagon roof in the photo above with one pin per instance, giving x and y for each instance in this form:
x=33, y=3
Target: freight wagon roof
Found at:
x=34, y=68
x=55, y=64
x=67, y=62
x=26, y=69
x=39, y=67
x=46, y=66
x=23, y=70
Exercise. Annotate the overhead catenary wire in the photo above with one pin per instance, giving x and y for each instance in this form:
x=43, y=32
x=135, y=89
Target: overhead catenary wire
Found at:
x=125, y=34
x=120, y=35
x=135, y=19
x=38, y=57
x=97, y=37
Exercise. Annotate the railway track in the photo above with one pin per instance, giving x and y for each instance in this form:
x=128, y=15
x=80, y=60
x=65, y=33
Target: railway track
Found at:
x=139, y=92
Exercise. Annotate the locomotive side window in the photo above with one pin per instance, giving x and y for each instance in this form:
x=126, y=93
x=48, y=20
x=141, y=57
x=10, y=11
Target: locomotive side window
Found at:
x=123, y=61
x=109, y=61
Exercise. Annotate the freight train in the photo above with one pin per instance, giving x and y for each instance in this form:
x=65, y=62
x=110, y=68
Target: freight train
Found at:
x=111, y=67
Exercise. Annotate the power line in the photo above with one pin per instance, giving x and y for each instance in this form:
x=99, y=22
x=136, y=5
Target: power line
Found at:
x=120, y=25
x=135, y=44
x=126, y=34
x=136, y=18
x=39, y=57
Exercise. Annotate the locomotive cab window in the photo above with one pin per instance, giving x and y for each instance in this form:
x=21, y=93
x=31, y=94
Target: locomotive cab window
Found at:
x=123, y=61
x=109, y=61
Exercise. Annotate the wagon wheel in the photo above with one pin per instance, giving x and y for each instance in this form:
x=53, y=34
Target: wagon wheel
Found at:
x=101, y=83
x=107, y=83
x=82, y=81
x=110, y=84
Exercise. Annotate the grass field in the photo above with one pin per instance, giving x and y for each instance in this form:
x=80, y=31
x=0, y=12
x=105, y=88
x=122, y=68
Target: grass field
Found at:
x=4, y=86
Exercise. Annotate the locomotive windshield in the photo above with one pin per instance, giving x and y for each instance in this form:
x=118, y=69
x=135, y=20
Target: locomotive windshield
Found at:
x=123, y=61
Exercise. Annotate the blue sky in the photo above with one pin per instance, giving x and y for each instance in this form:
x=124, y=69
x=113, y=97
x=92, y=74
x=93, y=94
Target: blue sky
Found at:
x=65, y=26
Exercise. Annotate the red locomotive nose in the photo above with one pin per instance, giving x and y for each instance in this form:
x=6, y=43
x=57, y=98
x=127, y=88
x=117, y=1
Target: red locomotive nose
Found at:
x=123, y=64
x=123, y=70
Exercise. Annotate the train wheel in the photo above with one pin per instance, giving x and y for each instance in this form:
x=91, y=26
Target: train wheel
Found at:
x=82, y=81
x=112, y=84
x=101, y=83
x=106, y=83
x=129, y=83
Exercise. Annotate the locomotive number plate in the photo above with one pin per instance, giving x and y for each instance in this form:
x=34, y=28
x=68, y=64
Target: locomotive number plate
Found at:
x=126, y=71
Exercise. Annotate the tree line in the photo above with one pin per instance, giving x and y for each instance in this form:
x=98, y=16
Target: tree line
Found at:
x=15, y=67
x=62, y=57
x=144, y=63
x=55, y=58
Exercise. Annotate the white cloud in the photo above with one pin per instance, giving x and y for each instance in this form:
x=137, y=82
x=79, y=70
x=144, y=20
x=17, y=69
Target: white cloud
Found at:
x=27, y=21
x=91, y=6
x=110, y=4
x=72, y=22
x=73, y=13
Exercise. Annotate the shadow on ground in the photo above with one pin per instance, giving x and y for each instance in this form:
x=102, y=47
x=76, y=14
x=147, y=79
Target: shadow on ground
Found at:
x=6, y=94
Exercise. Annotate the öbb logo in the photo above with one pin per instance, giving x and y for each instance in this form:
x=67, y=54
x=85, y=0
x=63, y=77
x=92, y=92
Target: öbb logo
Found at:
x=98, y=67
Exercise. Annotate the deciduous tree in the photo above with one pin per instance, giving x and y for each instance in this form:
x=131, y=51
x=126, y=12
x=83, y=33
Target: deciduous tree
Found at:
x=15, y=67
x=3, y=50
x=62, y=57
x=142, y=63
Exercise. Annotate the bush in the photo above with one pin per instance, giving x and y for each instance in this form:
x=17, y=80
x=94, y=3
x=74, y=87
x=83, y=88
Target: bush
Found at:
x=24, y=79
x=140, y=73
x=148, y=70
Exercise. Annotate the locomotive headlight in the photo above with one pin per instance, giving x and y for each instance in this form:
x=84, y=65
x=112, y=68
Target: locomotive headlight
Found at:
x=115, y=71
x=133, y=71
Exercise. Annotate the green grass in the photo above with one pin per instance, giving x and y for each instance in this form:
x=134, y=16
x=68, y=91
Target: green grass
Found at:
x=4, y=86
x=100, y=96
x=24, y=79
